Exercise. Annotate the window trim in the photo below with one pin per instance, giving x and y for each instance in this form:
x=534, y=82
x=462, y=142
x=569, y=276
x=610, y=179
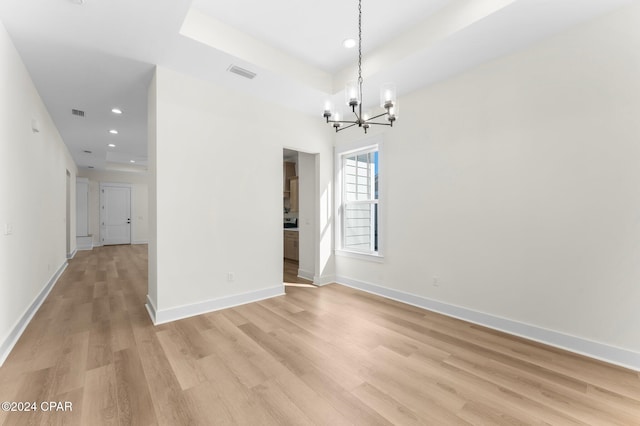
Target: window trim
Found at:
x=363, y=146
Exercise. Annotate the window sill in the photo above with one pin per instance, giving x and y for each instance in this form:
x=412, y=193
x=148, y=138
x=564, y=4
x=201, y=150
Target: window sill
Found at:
x=377, y=258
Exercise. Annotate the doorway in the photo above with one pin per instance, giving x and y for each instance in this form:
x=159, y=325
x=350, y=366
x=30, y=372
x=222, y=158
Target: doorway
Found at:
x=68, y=215
x=299, y=217
x=115, y=213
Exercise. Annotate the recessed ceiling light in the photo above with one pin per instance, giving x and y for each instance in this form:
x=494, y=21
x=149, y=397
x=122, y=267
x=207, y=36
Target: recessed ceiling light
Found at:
x=112, y=145
x=78, y=2
x=116, y=111
x=349, y=43
x=113, y=132
x=132, y=161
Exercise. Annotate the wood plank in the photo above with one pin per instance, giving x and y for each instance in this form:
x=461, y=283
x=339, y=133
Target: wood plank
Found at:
x=34, y=387
x=71, y=366
x=183, y=362
x=134, y=399
x=100, y=401
x=167, y=396
x=100, y=353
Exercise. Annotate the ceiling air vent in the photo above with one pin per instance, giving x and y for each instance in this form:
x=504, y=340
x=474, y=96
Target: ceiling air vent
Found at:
x=77, y=112
x=241, y=72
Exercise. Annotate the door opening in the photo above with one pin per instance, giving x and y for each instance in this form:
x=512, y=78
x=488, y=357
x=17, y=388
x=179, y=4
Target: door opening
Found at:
x=299, y=213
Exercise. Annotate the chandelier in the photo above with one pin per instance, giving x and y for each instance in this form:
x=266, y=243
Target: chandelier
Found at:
x=353, y=97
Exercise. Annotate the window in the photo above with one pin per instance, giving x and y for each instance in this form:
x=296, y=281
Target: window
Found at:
x=358, y=204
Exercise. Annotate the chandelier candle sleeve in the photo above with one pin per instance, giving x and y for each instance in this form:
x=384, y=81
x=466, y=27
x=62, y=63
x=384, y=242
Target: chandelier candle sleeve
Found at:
x=336, y=122
x=388, y=95
x=353, y=98
x=328, y=107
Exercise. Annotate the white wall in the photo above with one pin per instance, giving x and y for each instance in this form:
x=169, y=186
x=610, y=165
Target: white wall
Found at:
x=516, y=185
x=308, y=198
x=152, y=291
x=217, y=156
x=139, y=201
x=32, y=196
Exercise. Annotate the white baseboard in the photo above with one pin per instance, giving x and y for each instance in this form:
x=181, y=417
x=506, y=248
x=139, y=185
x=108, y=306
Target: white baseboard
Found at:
x=151, y=309
x=611, y=354
x=321, y=280
x=140, y=242
x=305, y=274
x=16, y=331
x=172, y=314
x=72, y=254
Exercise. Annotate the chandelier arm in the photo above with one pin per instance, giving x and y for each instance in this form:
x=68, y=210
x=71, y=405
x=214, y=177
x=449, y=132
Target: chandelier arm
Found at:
x=343, y=122
x=379, y=124
x=343, y=128
x=377, y=116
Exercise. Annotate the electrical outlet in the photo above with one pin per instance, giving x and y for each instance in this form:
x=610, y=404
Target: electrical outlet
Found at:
x=231, y=276
x=8, y=229
x=436, y=281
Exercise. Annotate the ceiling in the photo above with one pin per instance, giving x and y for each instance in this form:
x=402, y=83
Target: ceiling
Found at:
x=101, y=54
x=313, y=31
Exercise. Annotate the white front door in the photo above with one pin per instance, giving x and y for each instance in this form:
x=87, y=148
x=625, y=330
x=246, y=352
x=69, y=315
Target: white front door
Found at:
x=115, y=214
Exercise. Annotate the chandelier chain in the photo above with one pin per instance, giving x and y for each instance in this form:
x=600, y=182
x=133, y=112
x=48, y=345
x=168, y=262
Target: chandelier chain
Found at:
x=360, y=80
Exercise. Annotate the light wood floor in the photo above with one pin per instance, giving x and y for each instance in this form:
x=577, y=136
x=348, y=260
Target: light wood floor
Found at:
x=328, y=355
x=290, y=273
